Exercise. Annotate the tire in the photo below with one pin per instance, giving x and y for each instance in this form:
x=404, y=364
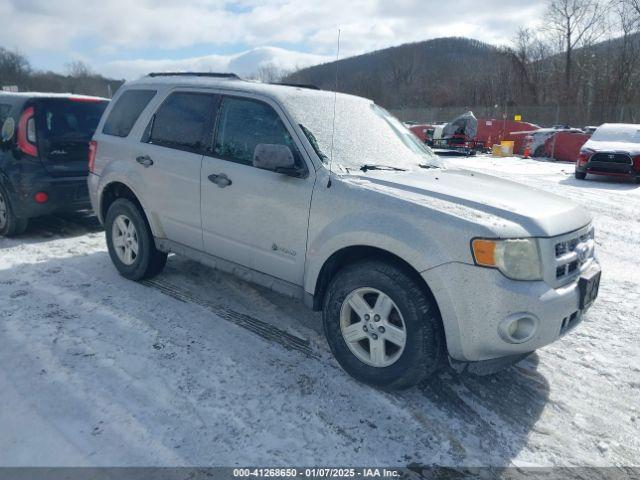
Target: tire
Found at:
x=413, y=311
x=148, y=261
x=580, y=175
x=10, y=225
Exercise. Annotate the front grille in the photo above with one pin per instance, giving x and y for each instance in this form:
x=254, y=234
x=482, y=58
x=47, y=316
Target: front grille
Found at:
x=572, y=253
x=602, y=157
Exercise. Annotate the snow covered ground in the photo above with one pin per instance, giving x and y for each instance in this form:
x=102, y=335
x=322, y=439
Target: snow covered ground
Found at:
x=199, y=368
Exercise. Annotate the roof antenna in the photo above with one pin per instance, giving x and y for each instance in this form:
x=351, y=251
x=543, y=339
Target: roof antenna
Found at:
x=335, y=100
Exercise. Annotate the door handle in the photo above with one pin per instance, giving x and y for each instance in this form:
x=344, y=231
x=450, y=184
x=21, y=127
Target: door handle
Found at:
x=220, y=179
x=144, y=160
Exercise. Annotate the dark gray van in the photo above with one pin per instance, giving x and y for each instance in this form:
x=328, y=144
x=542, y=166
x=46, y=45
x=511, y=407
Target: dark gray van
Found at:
x=44, y=152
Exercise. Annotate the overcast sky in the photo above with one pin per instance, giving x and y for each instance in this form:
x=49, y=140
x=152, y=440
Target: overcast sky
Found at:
x=127, y=38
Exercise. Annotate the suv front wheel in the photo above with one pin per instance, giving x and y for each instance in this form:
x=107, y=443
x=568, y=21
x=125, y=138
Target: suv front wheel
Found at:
x=381, y=325
x=130, y=242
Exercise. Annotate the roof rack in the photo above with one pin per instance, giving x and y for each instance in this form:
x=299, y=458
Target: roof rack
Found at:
x=298, y=85
x=194, y=74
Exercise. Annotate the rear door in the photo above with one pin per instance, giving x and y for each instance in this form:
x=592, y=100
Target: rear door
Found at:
x=64, y=127
x=169, y=160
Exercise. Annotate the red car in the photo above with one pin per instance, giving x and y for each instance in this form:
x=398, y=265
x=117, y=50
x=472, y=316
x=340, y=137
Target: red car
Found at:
x=614, y=149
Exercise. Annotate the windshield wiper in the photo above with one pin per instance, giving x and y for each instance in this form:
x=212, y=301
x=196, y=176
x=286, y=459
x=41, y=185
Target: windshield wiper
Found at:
x=366, y=167
x=426, y=165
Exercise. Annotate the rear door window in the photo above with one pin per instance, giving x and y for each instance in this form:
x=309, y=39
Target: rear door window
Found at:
x=243, y=124
x=182, y=121
x=126, y=111
x=69, y=119
x=63, y=130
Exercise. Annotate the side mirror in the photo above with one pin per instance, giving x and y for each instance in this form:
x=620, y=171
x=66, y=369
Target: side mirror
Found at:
x=277, y=158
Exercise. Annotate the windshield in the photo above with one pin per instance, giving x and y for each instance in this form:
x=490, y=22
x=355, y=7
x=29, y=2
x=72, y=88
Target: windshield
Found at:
x=617, y=133
x=365, y=134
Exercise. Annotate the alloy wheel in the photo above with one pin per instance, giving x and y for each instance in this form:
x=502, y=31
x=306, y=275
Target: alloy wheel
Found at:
x=372, y=327
x=125, y=239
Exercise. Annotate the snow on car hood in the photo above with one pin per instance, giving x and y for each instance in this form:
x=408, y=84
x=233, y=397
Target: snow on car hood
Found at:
x=481, y=198
x=632, y=148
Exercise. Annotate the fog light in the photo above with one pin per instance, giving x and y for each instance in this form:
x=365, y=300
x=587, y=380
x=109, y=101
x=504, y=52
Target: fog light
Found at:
x=518, y=328
x=41, y=197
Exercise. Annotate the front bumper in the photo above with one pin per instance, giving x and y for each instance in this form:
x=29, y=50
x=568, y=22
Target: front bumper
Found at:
x=611, y=169
x=65, y=194
x=475, y=302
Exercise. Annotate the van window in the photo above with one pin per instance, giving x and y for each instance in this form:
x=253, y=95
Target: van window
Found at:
x=63, y=119
x=126, y=111
x=243, y=124
x=182, y=121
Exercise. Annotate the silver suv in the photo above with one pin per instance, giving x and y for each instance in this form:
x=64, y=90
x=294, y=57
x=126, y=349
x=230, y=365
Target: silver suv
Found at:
x=329, y=199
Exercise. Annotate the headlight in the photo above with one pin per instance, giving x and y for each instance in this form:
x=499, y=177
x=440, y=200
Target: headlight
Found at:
x=518, y=259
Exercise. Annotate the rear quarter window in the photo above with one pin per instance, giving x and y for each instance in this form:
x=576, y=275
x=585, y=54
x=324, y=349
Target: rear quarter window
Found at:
x=126, y=111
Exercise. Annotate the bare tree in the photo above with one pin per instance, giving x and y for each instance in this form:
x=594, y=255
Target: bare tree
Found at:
x=78, y=69
x=627, y=17
x=523, y=58
x=575, y=23
x=269, y=73
x=14, y=67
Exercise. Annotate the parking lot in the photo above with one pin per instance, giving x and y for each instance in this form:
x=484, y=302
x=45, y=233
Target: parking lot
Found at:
x=197, y=367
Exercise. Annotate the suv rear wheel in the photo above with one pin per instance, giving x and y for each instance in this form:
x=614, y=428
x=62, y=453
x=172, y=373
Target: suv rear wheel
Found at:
x=10, y=225
x=381, y=325
x=130, y=242
x=580, y=175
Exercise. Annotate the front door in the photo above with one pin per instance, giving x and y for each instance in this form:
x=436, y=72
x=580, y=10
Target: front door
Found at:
x=253, y=217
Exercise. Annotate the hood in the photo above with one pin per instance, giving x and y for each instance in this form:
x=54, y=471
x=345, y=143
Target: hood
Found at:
x=498, y=204
x=631, y=148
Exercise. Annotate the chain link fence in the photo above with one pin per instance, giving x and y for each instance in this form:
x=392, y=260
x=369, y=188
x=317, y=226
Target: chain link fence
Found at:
x=573, y=115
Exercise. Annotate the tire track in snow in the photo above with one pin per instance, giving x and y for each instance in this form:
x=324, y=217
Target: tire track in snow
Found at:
x=254, y=325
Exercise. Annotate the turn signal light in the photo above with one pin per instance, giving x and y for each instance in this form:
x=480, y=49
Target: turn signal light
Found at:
x=484, y=251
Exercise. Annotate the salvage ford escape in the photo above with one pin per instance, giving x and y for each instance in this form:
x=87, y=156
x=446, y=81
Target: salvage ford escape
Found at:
x=43, y=155
x=410, y=261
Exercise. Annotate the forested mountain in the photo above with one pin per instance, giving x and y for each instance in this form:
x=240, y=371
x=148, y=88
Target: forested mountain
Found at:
x=465, y=73
x=439, y=72
x=16, y=71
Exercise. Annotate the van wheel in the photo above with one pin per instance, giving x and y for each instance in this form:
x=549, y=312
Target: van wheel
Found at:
x=382, y=327
x=10, y=225
x=130, y=242
x=581, y=175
